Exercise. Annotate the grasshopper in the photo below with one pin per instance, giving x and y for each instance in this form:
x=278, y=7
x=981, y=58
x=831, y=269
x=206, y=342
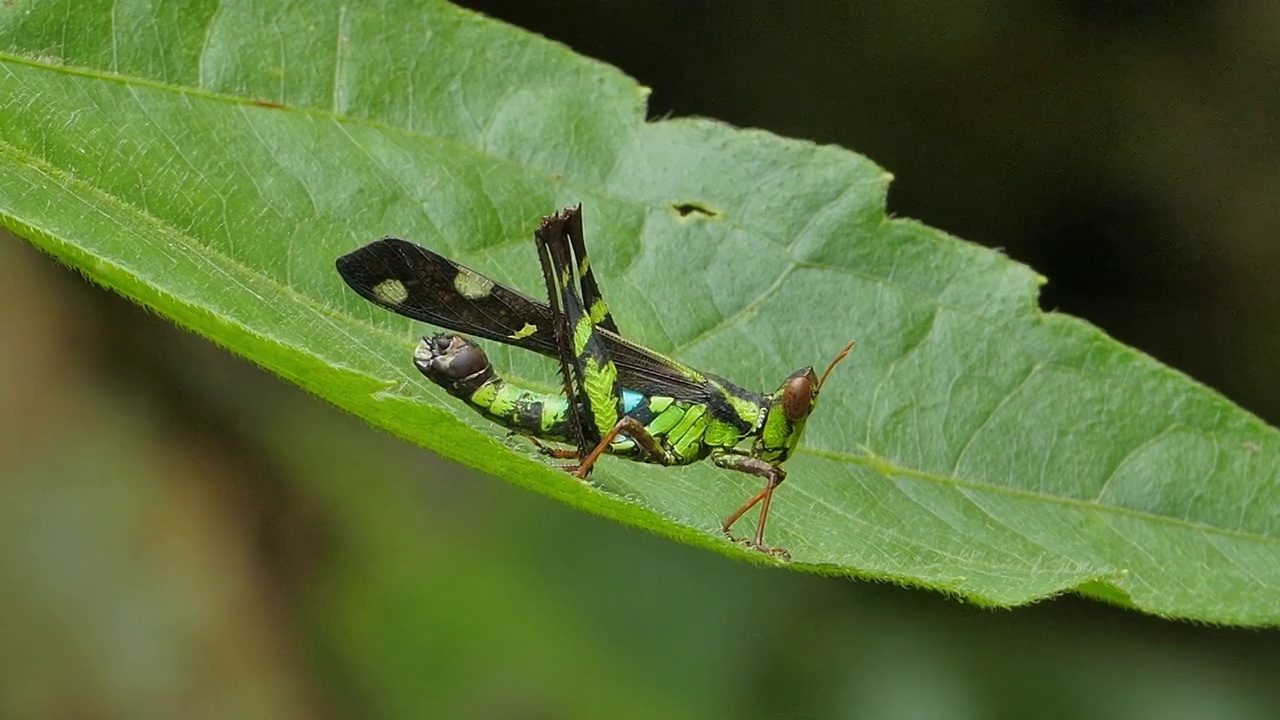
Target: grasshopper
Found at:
x=618, y=397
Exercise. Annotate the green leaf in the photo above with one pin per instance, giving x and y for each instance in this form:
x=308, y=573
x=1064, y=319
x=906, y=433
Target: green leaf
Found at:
x=212, y=160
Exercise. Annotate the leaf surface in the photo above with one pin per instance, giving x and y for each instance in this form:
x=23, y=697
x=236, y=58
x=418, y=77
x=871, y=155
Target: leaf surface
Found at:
x=211, y=160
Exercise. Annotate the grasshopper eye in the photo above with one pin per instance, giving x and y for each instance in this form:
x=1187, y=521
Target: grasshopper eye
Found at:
x=798, y=395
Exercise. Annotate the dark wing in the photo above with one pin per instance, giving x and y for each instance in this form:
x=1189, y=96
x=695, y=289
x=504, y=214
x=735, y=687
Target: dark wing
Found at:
x=417, y=283
x=412, y=281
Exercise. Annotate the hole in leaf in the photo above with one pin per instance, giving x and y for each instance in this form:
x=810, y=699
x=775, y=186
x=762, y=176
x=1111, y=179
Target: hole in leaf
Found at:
x=689, y=208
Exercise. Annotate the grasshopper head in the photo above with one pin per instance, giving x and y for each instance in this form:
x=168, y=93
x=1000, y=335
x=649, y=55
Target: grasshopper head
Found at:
x=798, y=396
x=790, y=408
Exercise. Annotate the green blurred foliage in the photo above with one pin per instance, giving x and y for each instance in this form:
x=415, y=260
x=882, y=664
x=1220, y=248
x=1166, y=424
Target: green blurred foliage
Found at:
x=183, y=535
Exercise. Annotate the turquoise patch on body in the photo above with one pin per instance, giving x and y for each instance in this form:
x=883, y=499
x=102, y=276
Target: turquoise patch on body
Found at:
x=631, y=400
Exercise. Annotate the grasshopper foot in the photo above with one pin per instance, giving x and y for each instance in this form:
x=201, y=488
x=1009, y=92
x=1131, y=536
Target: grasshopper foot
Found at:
x=777, y=552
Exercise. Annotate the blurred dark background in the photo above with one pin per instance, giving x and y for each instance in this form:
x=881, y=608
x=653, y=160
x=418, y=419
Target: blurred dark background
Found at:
x=184, y=535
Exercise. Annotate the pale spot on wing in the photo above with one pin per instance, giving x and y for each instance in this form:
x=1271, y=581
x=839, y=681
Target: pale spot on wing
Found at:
x=391, y=292
x=524, y=332
x=472, y=285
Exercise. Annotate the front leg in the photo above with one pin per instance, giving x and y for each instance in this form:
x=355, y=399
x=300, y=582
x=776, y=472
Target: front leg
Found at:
x=773, y=476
